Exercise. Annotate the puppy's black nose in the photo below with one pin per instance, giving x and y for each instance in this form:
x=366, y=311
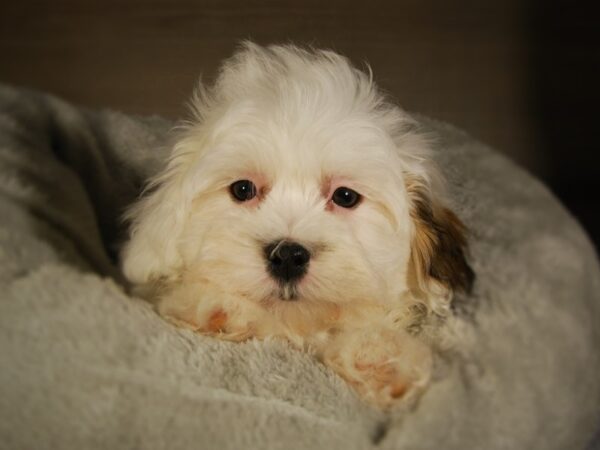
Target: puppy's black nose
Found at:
x=287, y=261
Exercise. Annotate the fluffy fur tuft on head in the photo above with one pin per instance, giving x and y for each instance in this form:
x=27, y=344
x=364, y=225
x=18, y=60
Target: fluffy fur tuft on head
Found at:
x=336, y=182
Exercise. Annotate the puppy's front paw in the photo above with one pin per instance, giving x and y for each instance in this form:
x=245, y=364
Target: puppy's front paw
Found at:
x=191, y=308
x=384, y=366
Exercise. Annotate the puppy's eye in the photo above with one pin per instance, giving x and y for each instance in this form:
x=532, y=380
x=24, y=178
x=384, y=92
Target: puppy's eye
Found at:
x=346, y=197
x=243, y=190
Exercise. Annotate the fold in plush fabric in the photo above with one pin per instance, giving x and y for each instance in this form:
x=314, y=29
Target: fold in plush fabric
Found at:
x=83, y=365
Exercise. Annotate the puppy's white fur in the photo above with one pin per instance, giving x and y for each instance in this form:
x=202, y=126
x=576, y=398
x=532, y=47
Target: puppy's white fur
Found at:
x=299, y=124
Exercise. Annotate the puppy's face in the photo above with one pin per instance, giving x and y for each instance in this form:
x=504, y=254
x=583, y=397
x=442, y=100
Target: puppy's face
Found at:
x=298, y=189
x=305, y=215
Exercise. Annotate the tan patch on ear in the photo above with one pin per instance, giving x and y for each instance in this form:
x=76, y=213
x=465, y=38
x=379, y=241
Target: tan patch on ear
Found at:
x=439, y=244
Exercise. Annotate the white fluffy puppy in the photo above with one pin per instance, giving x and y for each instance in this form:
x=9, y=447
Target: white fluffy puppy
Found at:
x=300, y=204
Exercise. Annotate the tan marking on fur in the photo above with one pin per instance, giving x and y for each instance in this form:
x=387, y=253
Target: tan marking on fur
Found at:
x=398, y=390
x=216, y=322
x=439, y=243
x=381, y=377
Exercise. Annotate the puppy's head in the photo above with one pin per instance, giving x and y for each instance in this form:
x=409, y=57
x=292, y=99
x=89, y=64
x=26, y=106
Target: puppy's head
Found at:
x=299, y=188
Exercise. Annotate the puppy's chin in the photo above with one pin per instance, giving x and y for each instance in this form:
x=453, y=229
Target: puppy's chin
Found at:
x=287, y=293
x=303, y=312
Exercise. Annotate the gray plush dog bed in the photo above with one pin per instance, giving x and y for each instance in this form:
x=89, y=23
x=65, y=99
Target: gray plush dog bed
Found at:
x=85, y=366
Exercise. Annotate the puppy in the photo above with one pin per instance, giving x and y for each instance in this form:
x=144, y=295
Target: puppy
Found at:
x=299, y=203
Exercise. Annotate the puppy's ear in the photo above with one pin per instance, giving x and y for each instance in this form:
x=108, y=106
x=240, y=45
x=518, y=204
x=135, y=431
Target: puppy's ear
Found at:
x=157, y=222
x=438, y=245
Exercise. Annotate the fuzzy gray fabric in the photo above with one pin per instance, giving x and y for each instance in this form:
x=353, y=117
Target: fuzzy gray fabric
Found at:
x=85, y=366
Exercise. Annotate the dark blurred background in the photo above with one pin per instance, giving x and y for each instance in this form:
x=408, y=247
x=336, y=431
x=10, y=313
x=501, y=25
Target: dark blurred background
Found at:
x=521, y=76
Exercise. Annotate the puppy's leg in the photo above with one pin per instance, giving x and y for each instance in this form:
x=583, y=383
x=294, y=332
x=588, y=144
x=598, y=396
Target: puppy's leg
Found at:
x=383, y=364
x=208, y=310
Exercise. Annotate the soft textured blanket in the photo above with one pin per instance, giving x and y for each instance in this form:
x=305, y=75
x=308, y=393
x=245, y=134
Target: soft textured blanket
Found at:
x=85, y=366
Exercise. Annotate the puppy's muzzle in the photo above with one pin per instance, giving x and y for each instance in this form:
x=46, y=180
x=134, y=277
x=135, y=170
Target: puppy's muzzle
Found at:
x=287, y=261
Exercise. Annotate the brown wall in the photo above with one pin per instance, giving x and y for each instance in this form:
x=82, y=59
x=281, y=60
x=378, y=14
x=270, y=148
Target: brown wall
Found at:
x=461, y=62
